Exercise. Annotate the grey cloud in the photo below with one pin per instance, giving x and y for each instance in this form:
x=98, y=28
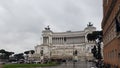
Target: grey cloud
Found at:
x=21, y=21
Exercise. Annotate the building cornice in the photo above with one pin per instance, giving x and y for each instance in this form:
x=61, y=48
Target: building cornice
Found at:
x=108, y=12
x=72, y=32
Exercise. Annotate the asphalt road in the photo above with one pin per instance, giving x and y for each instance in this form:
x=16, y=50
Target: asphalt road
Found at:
x=79, y=64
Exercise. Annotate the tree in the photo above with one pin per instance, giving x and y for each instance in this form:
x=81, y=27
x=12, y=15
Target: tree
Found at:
x=11, y=53
x=32, y=51
x=5, y=54
x=26, y=52
x=19, y=56
x=8, y=54
x=96, y=35
x=94, y=51
x=2, y=51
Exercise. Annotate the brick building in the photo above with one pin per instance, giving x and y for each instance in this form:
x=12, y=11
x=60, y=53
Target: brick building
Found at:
x=111, y=32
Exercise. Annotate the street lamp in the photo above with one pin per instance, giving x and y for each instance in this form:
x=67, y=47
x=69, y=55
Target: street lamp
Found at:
x=75, y=52
x=50, y=48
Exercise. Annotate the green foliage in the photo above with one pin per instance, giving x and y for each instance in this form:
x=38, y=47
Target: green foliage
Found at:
x=92, y=37
x=2, y=51
x=99, y=56
x=94, y=51
x=32, y=51
x=19, y=56
x=26, y=52
x=5, y=54
x=29, y=51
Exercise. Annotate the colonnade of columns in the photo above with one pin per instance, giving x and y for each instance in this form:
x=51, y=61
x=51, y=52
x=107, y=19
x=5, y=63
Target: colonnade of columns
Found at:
x=68, y=40
x=58, y=40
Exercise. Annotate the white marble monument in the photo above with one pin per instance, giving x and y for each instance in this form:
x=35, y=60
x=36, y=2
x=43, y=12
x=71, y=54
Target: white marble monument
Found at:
x=61, y=45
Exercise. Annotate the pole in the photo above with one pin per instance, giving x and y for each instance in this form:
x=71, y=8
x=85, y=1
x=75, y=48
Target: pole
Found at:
x=50, y=53
x=73, y=55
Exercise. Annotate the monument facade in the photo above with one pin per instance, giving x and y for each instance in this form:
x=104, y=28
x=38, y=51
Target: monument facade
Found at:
x=66, y=45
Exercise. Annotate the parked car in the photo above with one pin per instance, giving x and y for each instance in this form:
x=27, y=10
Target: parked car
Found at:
x=2, y=62
x=37, y=62
x=14, y=62
x=92, y=67
x=90, y=60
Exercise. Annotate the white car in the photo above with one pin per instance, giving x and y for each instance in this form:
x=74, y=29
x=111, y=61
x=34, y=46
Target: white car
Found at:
x=93, y=67
x=14, y=62
x=37, y=62
x=2, y=62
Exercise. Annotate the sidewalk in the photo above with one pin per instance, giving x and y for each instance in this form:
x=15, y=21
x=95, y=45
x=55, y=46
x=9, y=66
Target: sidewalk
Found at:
x=0, y=65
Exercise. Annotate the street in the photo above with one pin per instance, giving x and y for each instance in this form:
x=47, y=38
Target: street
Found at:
x=79, y=64
x=0, y=65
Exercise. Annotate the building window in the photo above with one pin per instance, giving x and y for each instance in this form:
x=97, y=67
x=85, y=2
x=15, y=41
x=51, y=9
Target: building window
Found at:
x=65, y=39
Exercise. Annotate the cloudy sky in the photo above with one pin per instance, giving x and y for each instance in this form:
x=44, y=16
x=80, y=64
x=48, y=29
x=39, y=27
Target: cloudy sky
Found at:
x=21, y=21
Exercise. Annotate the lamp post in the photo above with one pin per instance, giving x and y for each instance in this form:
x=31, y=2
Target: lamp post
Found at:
x=50, y=48
x=73, y=57
x=42, y=56
x=86, y=59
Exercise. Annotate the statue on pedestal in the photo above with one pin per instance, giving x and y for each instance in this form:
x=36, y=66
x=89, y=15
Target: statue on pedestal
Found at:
x=47, y=28
x=90, y=24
